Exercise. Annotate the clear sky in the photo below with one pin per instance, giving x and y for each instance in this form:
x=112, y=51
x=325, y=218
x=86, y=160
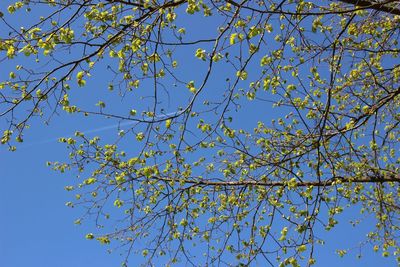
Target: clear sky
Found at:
x=37, y=229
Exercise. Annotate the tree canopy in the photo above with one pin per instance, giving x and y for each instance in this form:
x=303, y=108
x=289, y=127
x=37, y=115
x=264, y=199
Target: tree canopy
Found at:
x=243, y=129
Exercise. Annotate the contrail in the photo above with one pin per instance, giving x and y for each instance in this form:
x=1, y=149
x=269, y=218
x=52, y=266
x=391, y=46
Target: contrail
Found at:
x=104, y=128
x=96, y=130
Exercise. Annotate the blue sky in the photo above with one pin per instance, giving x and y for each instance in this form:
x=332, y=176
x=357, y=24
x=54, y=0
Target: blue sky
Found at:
x=37, y=229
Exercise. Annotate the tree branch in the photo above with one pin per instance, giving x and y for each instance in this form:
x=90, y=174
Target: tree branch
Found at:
x=382, y=6
x=331, y=182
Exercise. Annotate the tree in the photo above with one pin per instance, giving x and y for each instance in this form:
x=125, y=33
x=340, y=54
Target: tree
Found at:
x=244, y=127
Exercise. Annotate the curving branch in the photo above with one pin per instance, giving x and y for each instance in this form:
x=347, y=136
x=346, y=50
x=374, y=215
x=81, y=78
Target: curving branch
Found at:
x=389, y=6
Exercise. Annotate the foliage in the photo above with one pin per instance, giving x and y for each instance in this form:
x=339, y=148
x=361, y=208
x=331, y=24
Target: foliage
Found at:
x=246, y=128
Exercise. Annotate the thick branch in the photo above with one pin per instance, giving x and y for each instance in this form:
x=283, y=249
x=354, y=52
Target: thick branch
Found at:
x=331, y=182
x=383, y=6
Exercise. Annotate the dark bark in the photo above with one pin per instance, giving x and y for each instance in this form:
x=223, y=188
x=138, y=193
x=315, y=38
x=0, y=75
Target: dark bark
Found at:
x=384, y=6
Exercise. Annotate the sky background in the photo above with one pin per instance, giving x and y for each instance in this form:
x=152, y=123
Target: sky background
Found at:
x=37, y=229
